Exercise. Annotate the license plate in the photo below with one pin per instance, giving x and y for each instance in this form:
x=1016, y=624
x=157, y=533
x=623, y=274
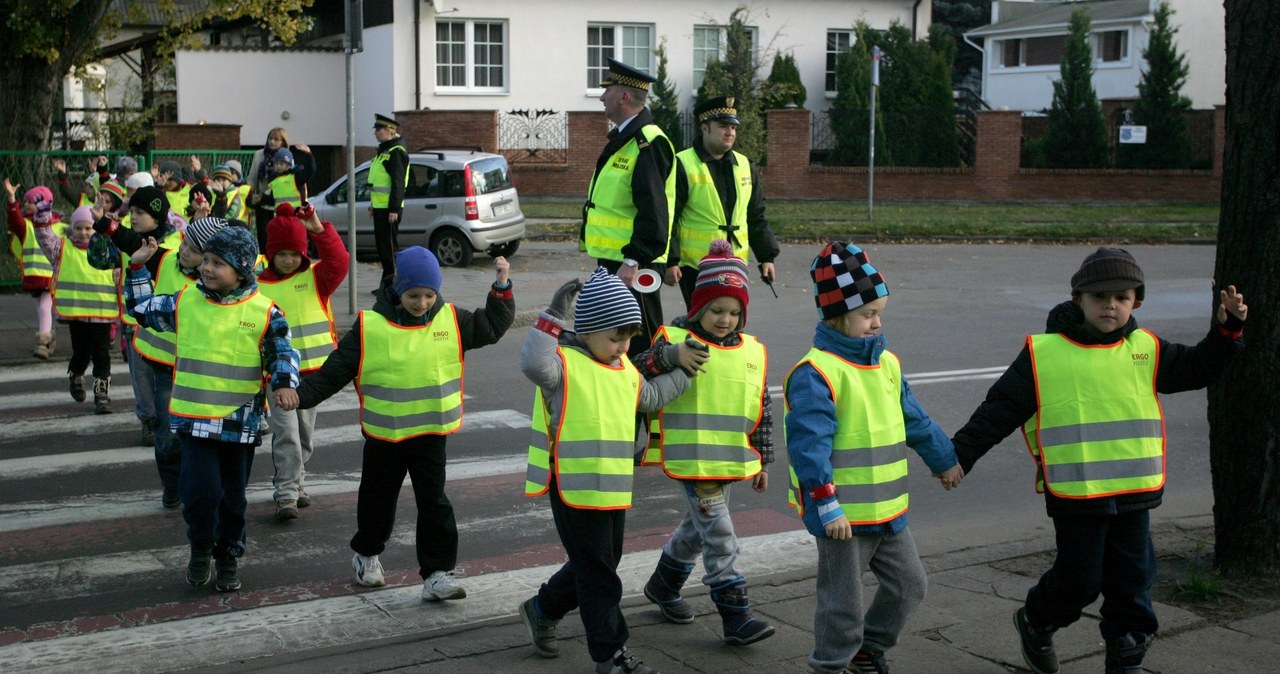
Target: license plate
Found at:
x=504, y=208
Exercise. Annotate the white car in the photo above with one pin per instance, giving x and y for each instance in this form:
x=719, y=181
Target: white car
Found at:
x=457, y=202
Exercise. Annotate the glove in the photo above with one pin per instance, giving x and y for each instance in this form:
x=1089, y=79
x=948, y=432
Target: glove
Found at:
x=564, y=297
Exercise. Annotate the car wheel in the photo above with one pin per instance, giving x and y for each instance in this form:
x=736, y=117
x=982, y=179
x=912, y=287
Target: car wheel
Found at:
x=452, y=248
x=505, y=249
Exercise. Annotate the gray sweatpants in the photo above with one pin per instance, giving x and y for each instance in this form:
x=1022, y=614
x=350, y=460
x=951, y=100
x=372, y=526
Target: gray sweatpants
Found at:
x=291, y=447
x=839, y=626
x=708, y=533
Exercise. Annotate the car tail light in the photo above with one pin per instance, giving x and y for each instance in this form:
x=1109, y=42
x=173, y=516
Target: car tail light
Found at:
x=469, y=191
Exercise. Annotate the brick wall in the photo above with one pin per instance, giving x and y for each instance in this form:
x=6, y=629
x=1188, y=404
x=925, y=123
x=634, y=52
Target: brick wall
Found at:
x=197, y=137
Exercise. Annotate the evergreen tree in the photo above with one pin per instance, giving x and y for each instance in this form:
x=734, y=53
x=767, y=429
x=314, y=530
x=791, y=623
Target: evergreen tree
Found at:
x=850, y=115
x=1077, y=136
x=783, y=86
x=735, y=75
x=955, y=18
x=1161, y=107
x=664, y=101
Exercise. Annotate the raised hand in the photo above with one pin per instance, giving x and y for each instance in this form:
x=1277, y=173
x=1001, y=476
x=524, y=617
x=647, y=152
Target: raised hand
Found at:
x=145, y=251
x=503, y=268
x=564, y=297
x=11, y=191
x=1233, y=302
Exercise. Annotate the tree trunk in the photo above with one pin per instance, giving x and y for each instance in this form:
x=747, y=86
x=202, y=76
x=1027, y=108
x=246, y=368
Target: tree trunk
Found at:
x=1244, y=405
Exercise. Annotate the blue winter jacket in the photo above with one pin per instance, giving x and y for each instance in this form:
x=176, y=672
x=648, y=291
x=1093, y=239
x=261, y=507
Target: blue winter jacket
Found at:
x=811, y=424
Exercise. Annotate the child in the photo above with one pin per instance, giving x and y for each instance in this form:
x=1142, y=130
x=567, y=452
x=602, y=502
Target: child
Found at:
x=849, y=411
x=87, y=299
x=284, y=182
x=1085, y=395
x=37, y=271
x=227, y=201
x=176, y=188
x=228, y=336
x=243, y=191
x=718, y=432
x=585, y=438
x=406, y=356
x=302, y=290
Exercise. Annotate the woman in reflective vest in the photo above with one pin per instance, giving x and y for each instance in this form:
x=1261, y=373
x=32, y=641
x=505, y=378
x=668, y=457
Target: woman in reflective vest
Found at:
x=37, y=271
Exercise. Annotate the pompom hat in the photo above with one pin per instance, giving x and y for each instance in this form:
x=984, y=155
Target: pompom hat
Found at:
x=720, y=274
x=239, y=248
x=42, y=198
x=844, y=279
x=604, y=303
x=286, y=232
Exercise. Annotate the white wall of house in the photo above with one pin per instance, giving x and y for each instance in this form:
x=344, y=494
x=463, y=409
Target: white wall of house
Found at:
x=1202, y=37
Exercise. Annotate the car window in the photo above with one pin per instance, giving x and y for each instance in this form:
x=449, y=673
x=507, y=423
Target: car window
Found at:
x=450, y=183
x=362, y=189
x=490, y=175
x=422, y=182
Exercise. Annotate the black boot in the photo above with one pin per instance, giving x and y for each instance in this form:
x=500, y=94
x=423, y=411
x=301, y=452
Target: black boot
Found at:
x=77, y=388
x=228, y=579
x=664, y=586
x=198, y=570
x=1124, y=655
x=740, y=626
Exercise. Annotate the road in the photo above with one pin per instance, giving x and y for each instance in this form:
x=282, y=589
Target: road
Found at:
x=89, y=559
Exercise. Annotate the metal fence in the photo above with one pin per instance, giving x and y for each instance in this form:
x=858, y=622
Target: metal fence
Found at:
x=533, y=136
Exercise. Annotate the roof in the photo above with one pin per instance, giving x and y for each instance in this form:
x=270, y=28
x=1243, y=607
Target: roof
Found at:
x=1019, y=17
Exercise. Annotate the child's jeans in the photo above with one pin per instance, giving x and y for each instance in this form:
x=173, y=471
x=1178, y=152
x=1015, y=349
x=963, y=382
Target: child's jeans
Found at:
x=709, y=533
x=840, y=627
x=214, y=477
x=291, y=447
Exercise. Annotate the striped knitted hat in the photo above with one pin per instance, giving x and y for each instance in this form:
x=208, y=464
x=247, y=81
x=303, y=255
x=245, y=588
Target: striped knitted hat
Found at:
x=843, y=280
x=720, y=274
x=604, y=303
x=201, y=230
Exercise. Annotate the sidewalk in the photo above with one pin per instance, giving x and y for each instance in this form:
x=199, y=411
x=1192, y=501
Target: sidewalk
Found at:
x=964, y=625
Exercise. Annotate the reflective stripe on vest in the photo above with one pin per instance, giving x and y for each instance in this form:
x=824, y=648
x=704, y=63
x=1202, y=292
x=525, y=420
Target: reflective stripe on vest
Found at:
x=594, y=444
x=284, y=189
x=154, y=345
x=703, y=214
x=219, y=365
x=380, y=180
x=1099, y=428
x=311, y=328
x=869, y=456
x=79, y=290
x=611, y=212
x=398, y=402
x=244, y=191
x=705, y=433
x=29, y=254
x=178, y=199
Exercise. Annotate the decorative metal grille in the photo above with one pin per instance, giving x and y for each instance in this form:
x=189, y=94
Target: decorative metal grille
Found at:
x=533, y=135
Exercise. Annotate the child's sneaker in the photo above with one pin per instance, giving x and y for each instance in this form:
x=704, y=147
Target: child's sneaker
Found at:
x=624, y=662
x=869, y=662
x=228, y=575
x=368, y=570
x=304, y=500
x=1037, y=645
x=442, y=585
x=286, y=510
x=542, y=631
x=198, y=569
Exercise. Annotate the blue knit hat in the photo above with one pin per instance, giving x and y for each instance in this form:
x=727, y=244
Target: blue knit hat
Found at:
x=604, y=303
x=416, y=267
x=239, y=248
x=283, y=154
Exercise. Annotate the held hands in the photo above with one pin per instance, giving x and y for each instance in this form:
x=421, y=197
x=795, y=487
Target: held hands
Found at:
x=145, y=251
x=839, y=529
x=1233, y=302
x=286, y=399
x=562, y=301
x=503, y=272
x=692, y=356
x=950, y=477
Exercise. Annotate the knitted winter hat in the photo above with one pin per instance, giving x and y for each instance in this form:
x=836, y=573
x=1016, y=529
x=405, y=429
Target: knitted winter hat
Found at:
x=152, y=200
x=172, y=168
x=223, y=171
x=139, y=180
x=125, y=167
x=116, y=191
x=843, y=280
x=82, y=214
x=1108, y=269
x=283, y=154
x=42, y=198
x=416, y=267
x=238, y=247
x=234, y=165
x=604, y=303
x=286, y=232
x=720, y=274
x=200, y=231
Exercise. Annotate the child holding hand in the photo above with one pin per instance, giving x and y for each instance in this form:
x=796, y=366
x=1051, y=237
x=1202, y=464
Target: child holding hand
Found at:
x=37, y=271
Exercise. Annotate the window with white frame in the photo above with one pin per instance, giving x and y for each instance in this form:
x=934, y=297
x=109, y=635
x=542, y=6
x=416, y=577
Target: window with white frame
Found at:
x=709, y=44
x=1112, y=46
x=629, y=43
x=838, y=42
x=471, y=55
x=1032, y=51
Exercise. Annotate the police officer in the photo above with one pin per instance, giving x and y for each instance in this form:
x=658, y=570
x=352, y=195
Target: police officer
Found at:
x=718, y=196
x=627, y=216
x=388, y=177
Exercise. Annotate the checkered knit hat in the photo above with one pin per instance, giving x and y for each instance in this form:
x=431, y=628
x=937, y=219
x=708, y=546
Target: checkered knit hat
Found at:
x=604, y=303
x=720, y=274
x=843, y=280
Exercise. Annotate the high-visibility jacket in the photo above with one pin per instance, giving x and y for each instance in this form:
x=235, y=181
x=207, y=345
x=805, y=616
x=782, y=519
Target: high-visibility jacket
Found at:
x=703, y=214
x=243, y=214
x=380, y=180
x=79, y=290
x=611, y=209
x=310, y=317
x=410, y=377
x=179, y=198
x=284, y=189
x=170, y=243
x=219, y=366
x=868, y=452
x=705, y=433
x=593, y=447
x=28, y=253
x=1099, y=428
x=154, y=345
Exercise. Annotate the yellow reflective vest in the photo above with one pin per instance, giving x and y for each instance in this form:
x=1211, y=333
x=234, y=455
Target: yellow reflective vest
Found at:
x=244, y=190
x=869, y=455
x=80, y=291
x=380, y=180
x=310, y=317
x=1099, y=429
x=705, y=434
x=171, y=242
x=179, y=199
x=592, y=449
x=703, y=214
x=284, y=189
x=611, y=209
x=29, y=254
x=410, y=377
x=154, y=345
x=219, y=365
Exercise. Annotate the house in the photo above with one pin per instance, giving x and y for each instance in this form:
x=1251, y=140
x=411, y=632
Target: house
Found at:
x=1023, y=46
